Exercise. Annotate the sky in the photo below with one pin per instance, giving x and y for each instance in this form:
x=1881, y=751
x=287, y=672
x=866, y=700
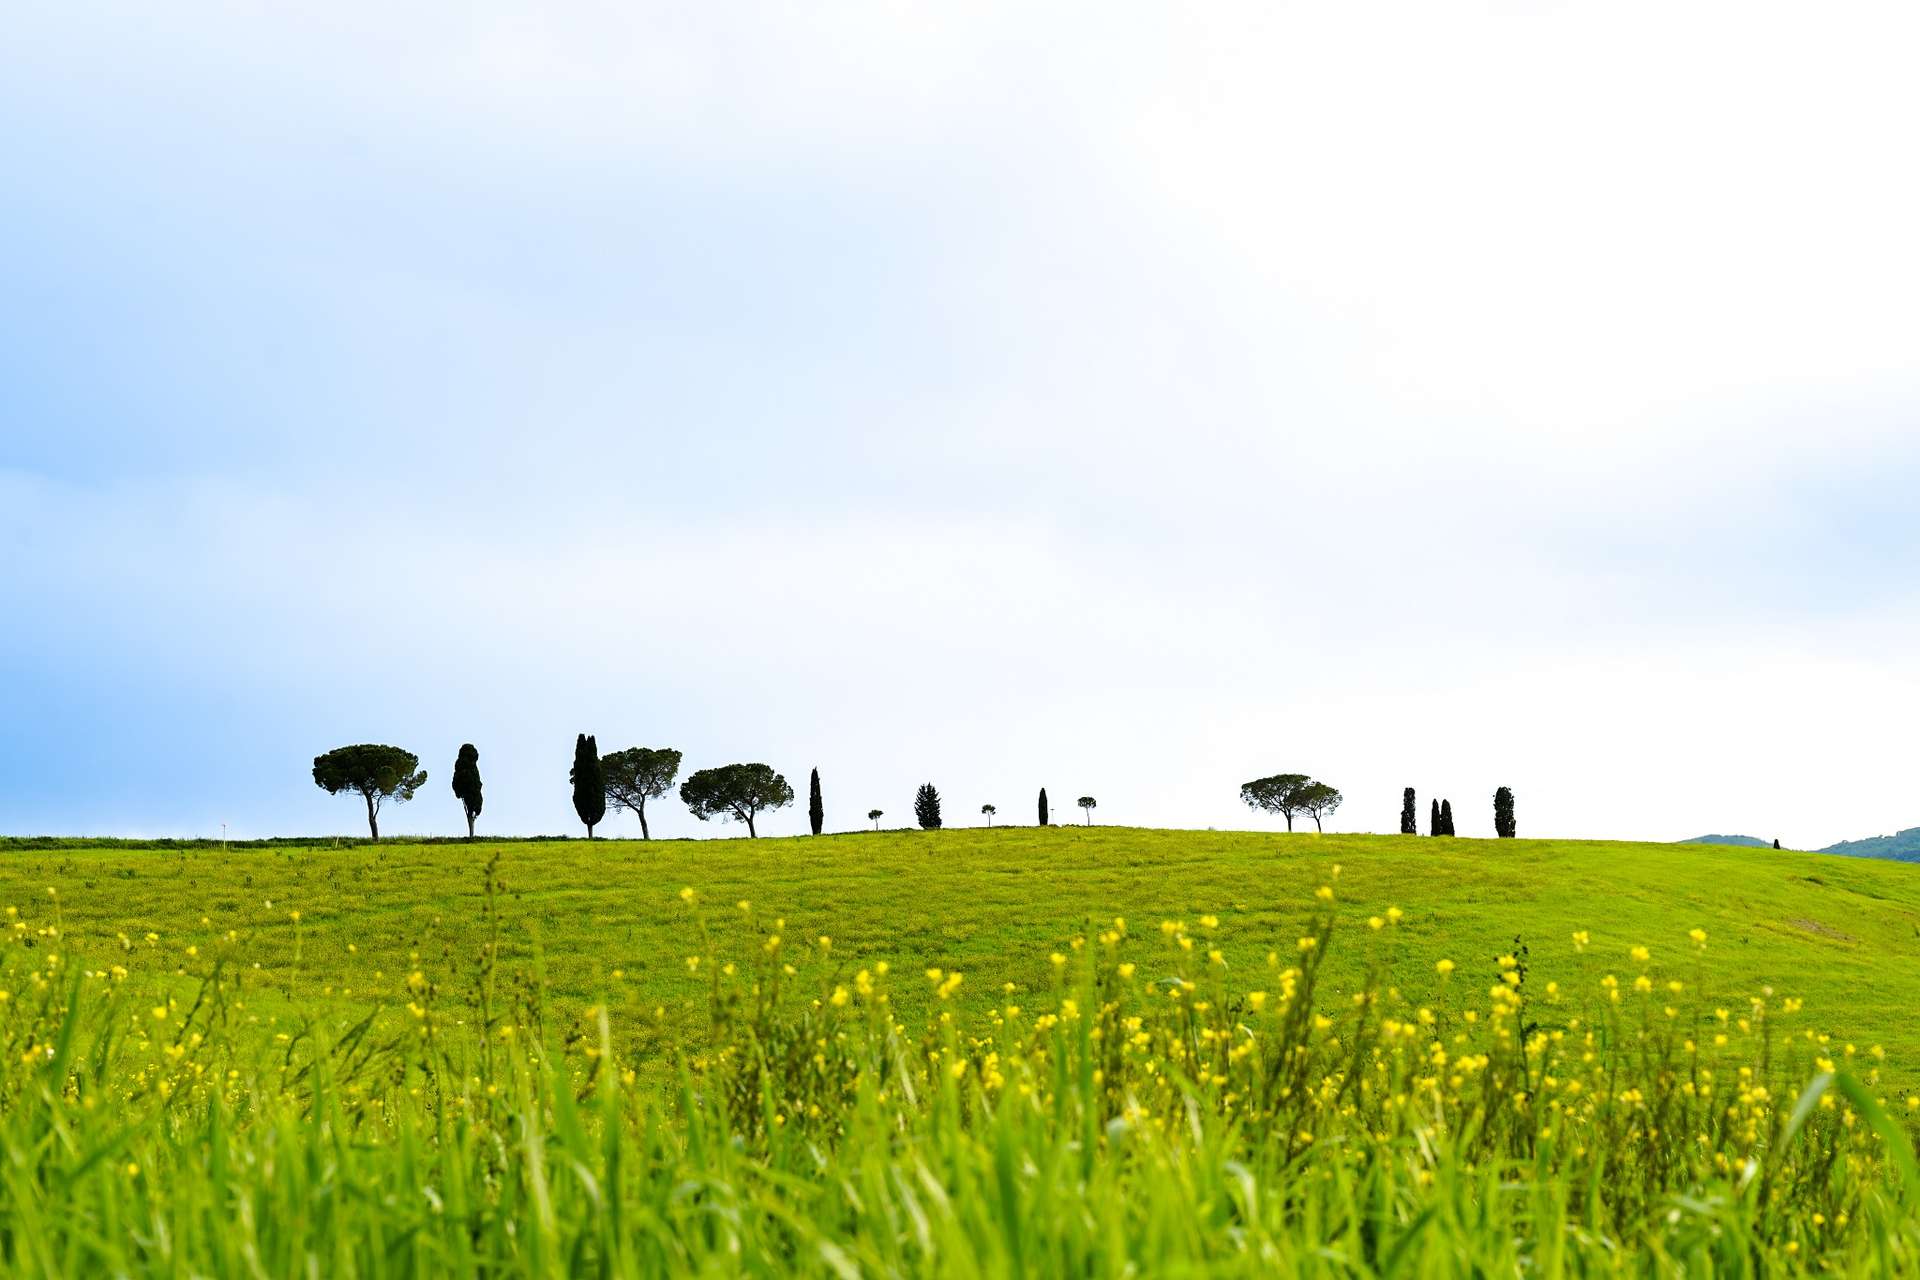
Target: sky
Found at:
x=1126, y=400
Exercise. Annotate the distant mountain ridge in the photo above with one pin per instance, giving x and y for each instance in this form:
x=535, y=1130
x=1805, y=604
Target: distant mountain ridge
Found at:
x=1901, y=846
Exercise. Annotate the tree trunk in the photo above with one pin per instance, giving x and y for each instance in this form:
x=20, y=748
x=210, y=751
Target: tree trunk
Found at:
x=589, y=831
x=751, y=833
x=373, y=820
x=1316, y=824
x=642, y=811
x=469, y=826
x=1289, y=818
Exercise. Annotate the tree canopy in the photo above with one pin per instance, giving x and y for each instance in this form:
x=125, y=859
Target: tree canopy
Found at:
x=1043, y=806
x=1319, y=799
x=874, y=816
x=989, y=811
x=373, y=771
x=1283, y=793
x=739, y=791
x=466, y=782
x=926, y=807
x=637, y=775
x=1504, y=825
x=1087, y=803
x=589, y=782
x=816, y=808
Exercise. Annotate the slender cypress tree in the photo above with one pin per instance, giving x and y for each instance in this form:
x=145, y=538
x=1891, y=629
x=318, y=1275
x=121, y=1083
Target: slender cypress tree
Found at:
x=816, y=813
x=1433, y=821
x=1043, y=806
x=1503, y=823
x=1409, y=815
x=926, y=807
x=466, y=783
x=1446, y=815
x=589, y=784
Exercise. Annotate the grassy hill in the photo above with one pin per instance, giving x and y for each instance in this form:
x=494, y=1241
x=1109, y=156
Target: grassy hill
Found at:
x=283, y=1060
x=1901, y=846
x=1743, y=842
x=1836, y=932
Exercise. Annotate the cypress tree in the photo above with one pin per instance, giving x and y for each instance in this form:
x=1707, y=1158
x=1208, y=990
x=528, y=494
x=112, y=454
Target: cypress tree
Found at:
x=816, y=813
x=1043, y=806
x=1503, y=823
x=589, y=784
x=1433, y=821
x=466, y=783
x=1776, y=844
x=1446, y=815
x=1409, y=815
x=926, y=807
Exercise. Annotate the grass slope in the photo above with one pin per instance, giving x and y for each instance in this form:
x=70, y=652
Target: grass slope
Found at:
x=993, y=904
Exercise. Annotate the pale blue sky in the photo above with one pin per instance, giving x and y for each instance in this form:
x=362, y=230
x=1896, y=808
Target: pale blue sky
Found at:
x=1084, y=396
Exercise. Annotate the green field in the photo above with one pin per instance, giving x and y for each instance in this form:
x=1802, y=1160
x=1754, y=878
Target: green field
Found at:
x=1841, y=934
x=1342, y=1055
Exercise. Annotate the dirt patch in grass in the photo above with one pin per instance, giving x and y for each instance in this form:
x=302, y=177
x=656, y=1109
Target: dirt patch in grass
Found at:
x=1823, y=930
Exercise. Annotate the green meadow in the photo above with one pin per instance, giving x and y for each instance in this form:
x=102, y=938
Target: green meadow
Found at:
x=1839, y=933
x=1065, y=1051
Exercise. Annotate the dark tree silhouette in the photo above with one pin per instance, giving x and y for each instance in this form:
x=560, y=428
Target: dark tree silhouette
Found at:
x=989, y=810
x=926, y=807
x=1503, y=823
x=816, y=812
x=589, y=782
x=1087, y=803
x=1319, y=799
x=1043, y=807
x=874, y=816
x=1409, y=814
x=373, y=771
x=1446, y=815
x=637, y=775
x=466, y=783
x=1434, y=828
x=738, y=791
x=1776, y=843
x=1282, y=794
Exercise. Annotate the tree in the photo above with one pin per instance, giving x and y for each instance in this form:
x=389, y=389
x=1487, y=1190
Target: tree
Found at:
x=466, y=782
x=1503, y=823
x=738, y=791
x=1319, y=799
x=637, y=775
x=1409, y=814
x=1776, y=842
x=589, y=782
x=874, y=816
x=926, y=807
x=1087, y=803
x=1433, y=823
x=1446, y=815
x=1043, y=807
x=816, y=812
x=373, y=771
x=1279, y=794
x=989, y=810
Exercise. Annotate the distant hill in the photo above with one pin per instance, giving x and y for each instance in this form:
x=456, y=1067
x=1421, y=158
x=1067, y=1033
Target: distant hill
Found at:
x=1902, y=846
x=1745, y=842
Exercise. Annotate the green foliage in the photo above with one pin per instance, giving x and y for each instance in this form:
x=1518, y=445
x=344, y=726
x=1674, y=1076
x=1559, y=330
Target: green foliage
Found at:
x=778, y=1107
x=739, y=791
x=589, y=782
x=1504, y=825
x=1435, y=827
x=816, y=808
x=1043, y=807
x=466, y=783
x=926, y=807
x=1319, y=800
x=1446, y=817
x=374, y=772
x=1283, y=793
x=637, y=775
x=1409, y=814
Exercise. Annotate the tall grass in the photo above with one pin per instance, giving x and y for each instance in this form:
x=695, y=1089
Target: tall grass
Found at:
x=1152, y=1112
